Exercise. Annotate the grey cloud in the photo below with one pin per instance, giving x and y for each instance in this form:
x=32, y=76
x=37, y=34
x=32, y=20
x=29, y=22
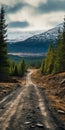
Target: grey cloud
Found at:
x=50, y=6
x=17, y=7
x=18, y=24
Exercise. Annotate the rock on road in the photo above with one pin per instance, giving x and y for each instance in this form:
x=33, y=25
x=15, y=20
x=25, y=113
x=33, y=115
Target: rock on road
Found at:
x=25, y=109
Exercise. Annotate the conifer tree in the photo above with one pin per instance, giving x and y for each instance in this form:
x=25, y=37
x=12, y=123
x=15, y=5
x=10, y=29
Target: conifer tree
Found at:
x=16, y=70
x=64, y=32
x=59, y=65
x=49, y=60
x=42, y=66
x=4, y=65
x=58, y=59
x=23, y=67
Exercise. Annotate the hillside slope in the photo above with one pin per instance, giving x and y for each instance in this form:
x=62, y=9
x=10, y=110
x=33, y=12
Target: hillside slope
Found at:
x=54, y=87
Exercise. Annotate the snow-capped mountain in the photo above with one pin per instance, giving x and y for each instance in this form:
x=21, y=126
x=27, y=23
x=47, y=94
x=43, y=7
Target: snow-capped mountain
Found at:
x=48, y=35
x=21, y=35
x=40, y=35
x=36, y=45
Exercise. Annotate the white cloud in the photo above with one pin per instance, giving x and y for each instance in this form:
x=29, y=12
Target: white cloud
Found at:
x=35, y=2
x=7, y=2
x=39, y=21
x=31, y=2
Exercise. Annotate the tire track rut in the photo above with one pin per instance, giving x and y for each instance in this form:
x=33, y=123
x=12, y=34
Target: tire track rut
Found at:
x=25, y=109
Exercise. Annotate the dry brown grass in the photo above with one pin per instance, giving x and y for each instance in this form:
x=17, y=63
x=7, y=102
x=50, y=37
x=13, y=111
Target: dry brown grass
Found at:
x=12, y=84
x=54, y=89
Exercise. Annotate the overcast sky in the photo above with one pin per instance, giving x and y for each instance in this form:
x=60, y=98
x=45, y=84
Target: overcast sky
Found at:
x=34, y=14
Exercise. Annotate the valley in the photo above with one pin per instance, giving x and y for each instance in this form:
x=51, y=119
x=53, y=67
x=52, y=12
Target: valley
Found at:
x=32, y=48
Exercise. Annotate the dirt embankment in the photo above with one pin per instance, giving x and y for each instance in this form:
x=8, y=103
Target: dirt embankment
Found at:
x=54, y=86
x=12, y=84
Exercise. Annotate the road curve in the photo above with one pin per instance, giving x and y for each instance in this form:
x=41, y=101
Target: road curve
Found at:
x=25, y=109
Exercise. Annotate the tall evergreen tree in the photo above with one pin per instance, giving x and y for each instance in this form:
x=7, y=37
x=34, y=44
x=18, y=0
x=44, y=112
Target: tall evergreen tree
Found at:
x=42, y=66
x=59, y=65
x=23, y=67
x=64, y=32
x=49, y=61
x=58, y=59
x=63, y=49
x=16, y=70
x=4, y=65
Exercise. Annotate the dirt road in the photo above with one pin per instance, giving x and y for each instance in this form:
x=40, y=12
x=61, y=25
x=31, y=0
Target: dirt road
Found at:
x=26, y=109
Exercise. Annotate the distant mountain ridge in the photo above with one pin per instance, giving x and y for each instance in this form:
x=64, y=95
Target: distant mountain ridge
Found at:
x=21, y=35
x=36, y=44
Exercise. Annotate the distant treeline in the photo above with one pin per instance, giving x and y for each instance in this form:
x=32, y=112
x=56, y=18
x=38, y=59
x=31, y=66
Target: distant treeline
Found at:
x=17, y=69
x=54, y=61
